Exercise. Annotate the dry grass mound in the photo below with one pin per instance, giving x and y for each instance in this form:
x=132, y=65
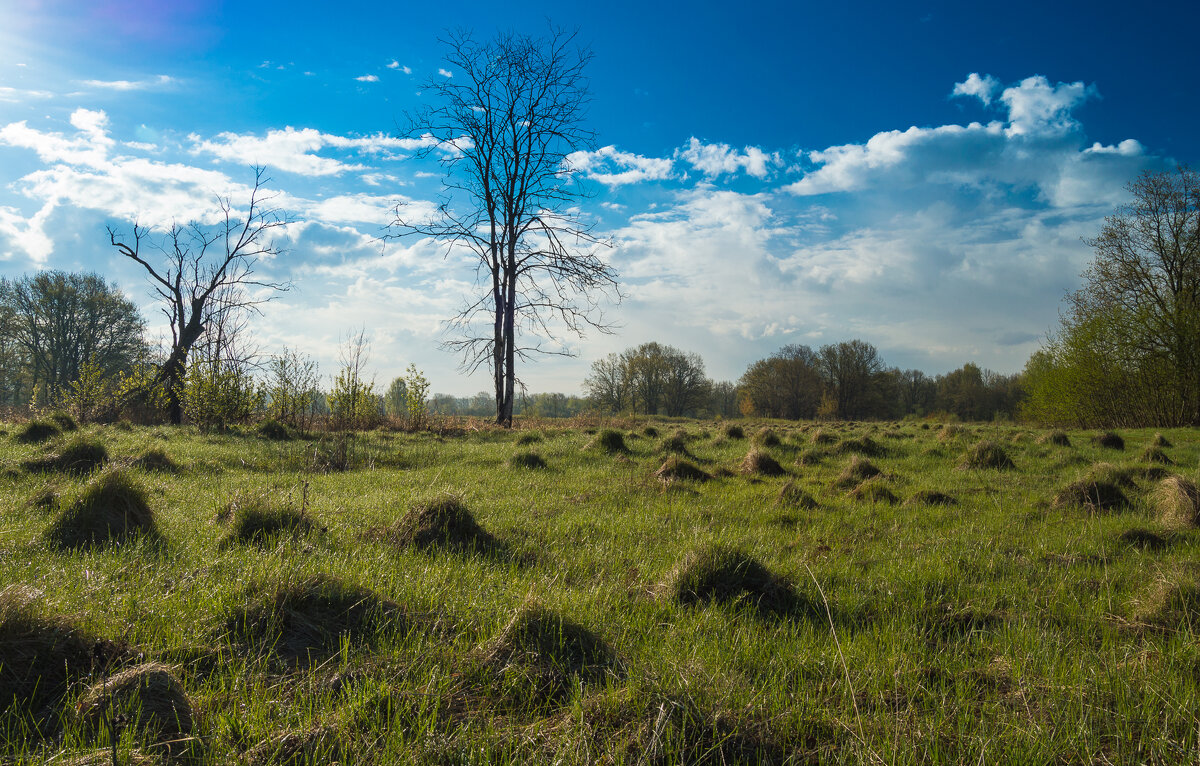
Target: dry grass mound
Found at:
x=1178, y=502
x=549, y=650
x=1056, y=438
x=1109, y=440
x=40, y=655
x=760, y=463
x=792, y=495
x=610, y=441
x=1160, y=441
x=930, y=497
x=1156, y=455
x=527, y=459
x=810, y=457
x=1094, y=495
x=725, y=574
x=442, y=522
x=78, y=457
x=110, y=509
x=37, y=431
x=766, y=437
x=305, y=620
x=150, y=696
x=677, y=468
x=676, y=444
x=950, y=432
x=734, y=431
x=155, y=460
x=1121, y=476
x=1170, y=606
x=858, y=470
x=873, y=491
x=862, y=445
x=261, y=522
x=986, y=454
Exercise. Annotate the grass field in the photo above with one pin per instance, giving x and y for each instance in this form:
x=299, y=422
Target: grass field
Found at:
x=286, y=602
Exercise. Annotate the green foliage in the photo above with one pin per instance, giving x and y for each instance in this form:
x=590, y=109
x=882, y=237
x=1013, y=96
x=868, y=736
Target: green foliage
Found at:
x=416, y=387
x=218, y=394
x=292, y=388
x=90, y=396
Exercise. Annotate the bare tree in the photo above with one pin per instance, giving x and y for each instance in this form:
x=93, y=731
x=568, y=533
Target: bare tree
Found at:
x=503, y=128
x=204, y=274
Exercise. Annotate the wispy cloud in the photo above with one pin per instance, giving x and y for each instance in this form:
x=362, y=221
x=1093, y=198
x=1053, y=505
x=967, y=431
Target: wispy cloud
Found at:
x=19, y=95
x=396, y=65
x=445, y=73
x=368, y=78
x=127, y=85
x=295, y=151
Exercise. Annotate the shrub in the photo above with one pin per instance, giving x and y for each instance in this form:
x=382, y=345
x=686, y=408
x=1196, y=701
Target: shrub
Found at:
x=217, y=394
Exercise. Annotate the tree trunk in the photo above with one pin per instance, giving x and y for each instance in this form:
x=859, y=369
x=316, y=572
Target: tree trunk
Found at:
x=175, y=368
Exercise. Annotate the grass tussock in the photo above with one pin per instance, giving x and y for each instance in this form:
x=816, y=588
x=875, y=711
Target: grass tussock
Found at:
x=810, y=458
x=930, y=497
x=821, y=437
x=1095, y=496
x=861, y=445
x=443, y=521
x=529, y=437
x=1056, y=438
x=677, y=468
x=676, y=444
x=79, y=457
x=724, y=574
x=155, y=460
x=1110, y=473
x=527, y=459
x=37, y=431
x=792, y=495
x=950, y=432
x=64, y=421
x=986, y=455
x=766, y=438
x=307, y=619
x=759, y=463
x=149, y=696
x=1161, y=442
x=1143, y=539
x=261, y=522
x=273, y=430
x=858, y=470
x=1156, y=455
x=734, y=431
x=110, y=509
x=1171, y=606
x=610, y=441
x=1177, y=501
x=873, y=491
x=1109, y=440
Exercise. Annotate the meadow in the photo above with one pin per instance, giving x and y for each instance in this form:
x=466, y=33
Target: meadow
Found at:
x=632, y=592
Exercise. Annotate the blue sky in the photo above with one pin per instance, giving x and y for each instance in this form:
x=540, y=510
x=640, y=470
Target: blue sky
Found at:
x=916, y=175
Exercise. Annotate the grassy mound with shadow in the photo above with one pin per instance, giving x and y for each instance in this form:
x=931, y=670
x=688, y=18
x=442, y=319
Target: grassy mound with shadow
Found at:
x=676, y=467
x=41, y=656
x=530, y=437
x=766, y=437
x=110, y=509
x=37, y=431
x=441, y=522
x=609, y=440
x=1170, y=606
x=1109, y=473
x=527, y=459
x=734, y=431
x=149, y=696
x=64, y=421
x=1155, y=455
x=759, y=463
x=792, y=495
x=1160, y=441
x=78, y=457
x=155, y=460
x=862, y=445
x=1144, y=539
x=873, y=491
x=986, y=454
x=274, y=430
x=1177, y=501
x=930, y=497
x=1109, y=440
x=675, y=444
x=821, y=436
x=260, y=522
x=304, y=620
x=1056, y=438
x=950, y=432
x=858, y=470
x=1093, y=495
x=723, y=574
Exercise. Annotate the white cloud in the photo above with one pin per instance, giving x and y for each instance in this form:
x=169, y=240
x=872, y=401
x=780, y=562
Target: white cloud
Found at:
x=18, y=95
x=368, y=78
x=445, y=73
x=295, y=150
x=980, y=87
x=89, y=146
x=612, y=167
x=716, y=159
x=1037, y=107
x=125, y=85
x=396, y=65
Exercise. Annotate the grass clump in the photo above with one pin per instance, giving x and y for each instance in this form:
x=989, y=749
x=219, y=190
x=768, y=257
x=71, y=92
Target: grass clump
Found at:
x=792, y=495
x=821, y=436
x=1091, y=494
x=862, y=445
x=1171, y=606
x=1144, y=539
x=1109, y=440
x=441, y=522
x=873, y=491
x=930, y=497
x=610, y=441
x=1177, y=501
x=1156, y=455
x=759, y=463
x=155, y=460
x=1057, y=438
x=1122, y=476
x=260, y=522
x=677, y=468
x=734, y=431
x=950, y=432
x=527, y=438
x=676, y=444
x=527, y=459
x=1160, y=441
x=64, y=422
x=767, y=437
x=149, y=696
x=274, y=430
x=858, y=470
x=37, y=431
x=723, y=574
x=299, y=621
x=650, y=431
x=110, y=509
x=78, y=457
x=986, y=454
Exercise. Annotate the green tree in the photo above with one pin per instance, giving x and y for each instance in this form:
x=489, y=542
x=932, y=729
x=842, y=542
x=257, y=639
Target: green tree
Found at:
x=786, y=384
x=395, y=401
x=293, y=380
x=416, y=391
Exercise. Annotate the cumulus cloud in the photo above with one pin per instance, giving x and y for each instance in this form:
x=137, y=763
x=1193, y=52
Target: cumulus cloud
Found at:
x=979, y=87
x=716, y=159
x=295, y=151
x=1037, y=107
x=613, y=167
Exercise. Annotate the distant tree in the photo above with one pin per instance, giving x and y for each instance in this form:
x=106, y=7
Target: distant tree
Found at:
x=853, y=373
x=916, y=392
x=191, y=266
x=417, y=391
x=396, y=399
x=723, y=399
x=785, y=385
x=963, y=394
x=505, y=127
x=606, y=385
x=352, y=403
x=293, y=383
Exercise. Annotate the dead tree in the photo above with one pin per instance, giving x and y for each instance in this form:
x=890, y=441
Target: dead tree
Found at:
x=204, y=273
x=503, y=128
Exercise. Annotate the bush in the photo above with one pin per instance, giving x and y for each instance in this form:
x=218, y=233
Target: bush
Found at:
x=217, y=394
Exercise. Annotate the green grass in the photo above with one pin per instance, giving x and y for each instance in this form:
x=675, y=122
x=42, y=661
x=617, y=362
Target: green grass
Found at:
x=999, y=628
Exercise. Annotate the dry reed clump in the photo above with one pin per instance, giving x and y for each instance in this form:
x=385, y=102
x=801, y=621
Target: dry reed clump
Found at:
x=527, y=459
x=734, y=431
x=1160, y=441
x=305, y=620
x=273, y=430
x=529, y=437
x=260, y=522
x=156, y=460
x=766, y=437
x=443, y=521
x=873, y=491
x=725, y=574
x=862, y=445
x=1056, y=438
x=1170, y=606
x=1094, y=495
x=676, y=468
x=930, y=497
x=149, y=695
x=1109, y=440
x=110, y=509
x=37, y=431
x=609, y=440
x=792, y=495
x=1177, y=501
x=986, y=454
x=1113, y=474
x=858, y=470
x=760, y=463
x=78, y=457
x=1156, y=455
x=40, y=655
